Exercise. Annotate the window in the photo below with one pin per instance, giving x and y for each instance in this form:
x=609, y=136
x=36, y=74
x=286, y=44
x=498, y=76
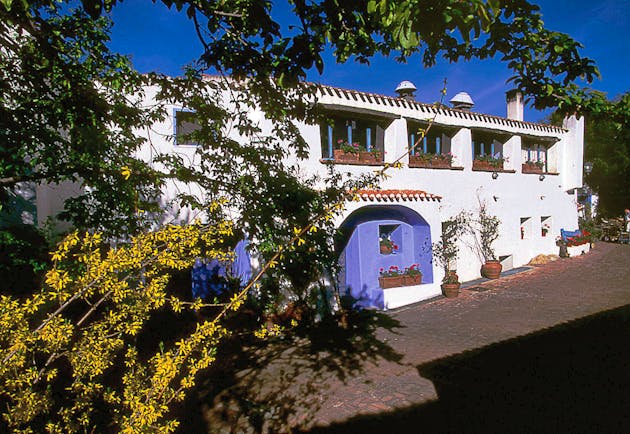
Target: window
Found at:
x=534, y=153
x=185, y=125
x=526, y=228
x=389, y=239
x=369, y=134
x=546, y=224
x=486, y=144
x=437, y=140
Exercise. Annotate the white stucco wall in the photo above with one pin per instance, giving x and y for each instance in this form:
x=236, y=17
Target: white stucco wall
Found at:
x=511, y=196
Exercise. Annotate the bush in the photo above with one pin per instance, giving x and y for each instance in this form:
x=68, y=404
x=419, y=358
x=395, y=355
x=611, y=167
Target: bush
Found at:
x=23, y=258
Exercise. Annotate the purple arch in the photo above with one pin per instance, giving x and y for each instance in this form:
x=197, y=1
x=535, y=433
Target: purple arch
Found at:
x=360, y=258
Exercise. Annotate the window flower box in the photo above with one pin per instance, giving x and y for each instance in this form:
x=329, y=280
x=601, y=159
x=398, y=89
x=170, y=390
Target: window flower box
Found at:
x=370, y=157
x=345, y=157
x=391, y=281
x=532, y=167
x=412, y=280
x=394, y=277
x=442, y=161
x=488, y=164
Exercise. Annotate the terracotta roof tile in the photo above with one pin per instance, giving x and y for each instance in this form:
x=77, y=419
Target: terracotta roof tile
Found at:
x=394, y=195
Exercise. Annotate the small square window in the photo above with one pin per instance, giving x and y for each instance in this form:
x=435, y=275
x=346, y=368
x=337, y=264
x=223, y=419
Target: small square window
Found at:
x=185, y=126
x=526, y=228
x=389, y=239
x=546, y=225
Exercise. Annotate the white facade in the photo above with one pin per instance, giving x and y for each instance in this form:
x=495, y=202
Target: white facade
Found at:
x=524, y=202
x=519, y=200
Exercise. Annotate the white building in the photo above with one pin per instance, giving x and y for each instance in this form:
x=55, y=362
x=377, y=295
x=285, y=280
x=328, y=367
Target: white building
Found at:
x=532, y=207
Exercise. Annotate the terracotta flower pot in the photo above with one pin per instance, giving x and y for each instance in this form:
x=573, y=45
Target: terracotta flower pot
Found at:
x=531, y=168
x=370, y=157
x=385, y=249
x=412, y=280
x=342, y=156
x=418, y=161
x=439, y=163
x=486, y=166
x=491, y=269
x=391, y=281
x=450, y=290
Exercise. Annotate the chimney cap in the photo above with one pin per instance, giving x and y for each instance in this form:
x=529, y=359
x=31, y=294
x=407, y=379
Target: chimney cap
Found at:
x=405, y=86
x=462, y=100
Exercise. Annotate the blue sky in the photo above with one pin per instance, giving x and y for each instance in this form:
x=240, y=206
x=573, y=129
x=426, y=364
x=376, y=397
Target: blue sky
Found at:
x=158, y=39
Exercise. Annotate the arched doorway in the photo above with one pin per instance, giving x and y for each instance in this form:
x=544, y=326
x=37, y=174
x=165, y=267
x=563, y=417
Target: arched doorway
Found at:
x=361, y=259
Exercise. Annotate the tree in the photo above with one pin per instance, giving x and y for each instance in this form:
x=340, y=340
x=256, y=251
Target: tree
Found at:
x=607, y=145
x=70, y=109
x=67, y=115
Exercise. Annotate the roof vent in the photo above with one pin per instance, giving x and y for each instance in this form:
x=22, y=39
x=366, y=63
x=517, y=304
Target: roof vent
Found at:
x=406, y=90
x=462, y=101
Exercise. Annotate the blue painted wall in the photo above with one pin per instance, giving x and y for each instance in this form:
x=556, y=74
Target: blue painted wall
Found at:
x=360, y=251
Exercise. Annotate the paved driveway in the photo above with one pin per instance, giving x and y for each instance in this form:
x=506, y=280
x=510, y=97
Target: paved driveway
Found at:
x=546, y=350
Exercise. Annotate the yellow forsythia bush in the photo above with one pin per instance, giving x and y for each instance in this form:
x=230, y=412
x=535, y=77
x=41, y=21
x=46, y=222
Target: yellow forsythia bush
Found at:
x=58, y=347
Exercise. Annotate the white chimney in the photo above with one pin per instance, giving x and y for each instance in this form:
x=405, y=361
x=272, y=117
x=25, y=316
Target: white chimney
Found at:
x=515, y=105
x=462, y=101
x=406, y=90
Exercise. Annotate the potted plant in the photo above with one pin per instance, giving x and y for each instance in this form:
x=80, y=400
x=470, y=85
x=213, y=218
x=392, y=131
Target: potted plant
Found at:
x=413, y=275
x=387, y=246
x=485, y=230
x=533, y=167
x=371, y=156
x=442, y=160
x=394, y=277
x=346, y=152
x=421, y=159
x=450, y=285
x=445, y=252
x=429, y=160
x=489, y=162
x=391, y=278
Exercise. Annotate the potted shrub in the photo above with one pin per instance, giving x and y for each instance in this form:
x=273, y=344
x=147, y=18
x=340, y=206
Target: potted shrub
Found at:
x=484, y=229
x=450, y=285
x=445, y=252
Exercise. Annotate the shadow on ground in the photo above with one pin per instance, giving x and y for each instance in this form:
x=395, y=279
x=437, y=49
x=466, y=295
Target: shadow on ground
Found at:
x=574, y=377
x=279, y=384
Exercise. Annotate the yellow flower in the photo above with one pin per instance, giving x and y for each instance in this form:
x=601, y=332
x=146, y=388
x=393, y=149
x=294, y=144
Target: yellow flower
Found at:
x=126, y=172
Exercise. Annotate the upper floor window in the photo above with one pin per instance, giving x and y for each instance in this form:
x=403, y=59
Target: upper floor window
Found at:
x=487, y=150
x=428, y=140
x=534, y=155
x=184, y=126
x=486, y=144
x=360, y=133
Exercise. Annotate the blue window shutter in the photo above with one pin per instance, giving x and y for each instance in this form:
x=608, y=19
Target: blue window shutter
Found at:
x=330, y=141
